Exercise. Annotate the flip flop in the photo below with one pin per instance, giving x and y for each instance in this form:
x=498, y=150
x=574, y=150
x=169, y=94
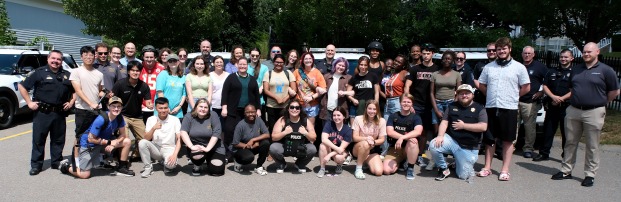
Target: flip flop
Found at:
x=504, y=176
x=484, y=173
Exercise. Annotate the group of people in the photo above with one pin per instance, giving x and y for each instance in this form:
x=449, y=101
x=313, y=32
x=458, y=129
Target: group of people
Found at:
x=292, y=105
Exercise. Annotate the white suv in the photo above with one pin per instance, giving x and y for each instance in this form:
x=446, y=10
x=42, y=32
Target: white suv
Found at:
x=14, y=65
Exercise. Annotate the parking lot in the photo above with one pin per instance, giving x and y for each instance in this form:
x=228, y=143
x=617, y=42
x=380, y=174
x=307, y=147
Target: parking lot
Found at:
x=530, y=181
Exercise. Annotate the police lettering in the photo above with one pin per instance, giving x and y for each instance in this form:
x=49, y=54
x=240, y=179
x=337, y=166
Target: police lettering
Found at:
x=295, y=137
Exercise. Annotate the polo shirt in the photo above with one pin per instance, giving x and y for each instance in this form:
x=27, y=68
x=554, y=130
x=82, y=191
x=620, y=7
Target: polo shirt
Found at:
x=590, y=87
x=49, y=87
x=536, y=73
x=132, y=96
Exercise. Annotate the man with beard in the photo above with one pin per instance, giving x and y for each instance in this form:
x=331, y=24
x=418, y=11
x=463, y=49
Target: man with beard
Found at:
x=467, y=121
x=503, y=82
x=130, y=54
x=593, y=85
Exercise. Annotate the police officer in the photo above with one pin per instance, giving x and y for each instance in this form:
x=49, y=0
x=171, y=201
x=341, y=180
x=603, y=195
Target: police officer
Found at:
x=53, y=97
x=325, y=65
x=556, y=87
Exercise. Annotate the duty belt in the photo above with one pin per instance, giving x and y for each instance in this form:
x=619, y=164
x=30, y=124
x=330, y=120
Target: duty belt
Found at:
x=47, y=108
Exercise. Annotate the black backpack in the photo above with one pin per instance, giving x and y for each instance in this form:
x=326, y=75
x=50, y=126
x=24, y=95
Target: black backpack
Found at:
x=294, y=143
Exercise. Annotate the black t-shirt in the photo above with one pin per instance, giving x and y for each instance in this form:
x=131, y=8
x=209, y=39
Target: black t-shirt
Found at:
x=364, y=86
x=466, y=74
x=536, y=72
x=402, y=124
x=420, y=75
x=132, y=96
x=324, y=66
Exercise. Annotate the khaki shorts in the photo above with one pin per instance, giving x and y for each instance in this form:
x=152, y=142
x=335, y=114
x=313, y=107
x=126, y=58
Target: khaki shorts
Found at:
x=397, y=155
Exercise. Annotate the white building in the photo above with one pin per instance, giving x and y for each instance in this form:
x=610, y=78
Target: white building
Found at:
x=32, y=18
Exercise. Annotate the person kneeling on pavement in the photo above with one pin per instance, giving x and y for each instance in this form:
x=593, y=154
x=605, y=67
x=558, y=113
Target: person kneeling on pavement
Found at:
x=250, y=138
x=162, y=140
x=402, y=129
x=99, y=137
x=293, y=135
x=467, y=120
x=202, y=134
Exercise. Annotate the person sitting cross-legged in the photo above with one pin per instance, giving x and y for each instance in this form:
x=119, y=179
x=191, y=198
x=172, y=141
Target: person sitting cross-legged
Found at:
x=461, y=138
x=162, y=140
x=250, y=138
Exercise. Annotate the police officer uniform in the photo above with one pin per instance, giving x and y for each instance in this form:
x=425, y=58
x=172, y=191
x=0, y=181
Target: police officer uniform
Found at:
x=51, y=91
x=324, y=66
x=557, y=81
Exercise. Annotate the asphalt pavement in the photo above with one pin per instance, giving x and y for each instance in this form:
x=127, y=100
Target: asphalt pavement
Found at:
x=530, y=181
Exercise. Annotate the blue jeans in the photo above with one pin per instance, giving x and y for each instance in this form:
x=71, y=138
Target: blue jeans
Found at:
x=442, y=105
x=464, y=158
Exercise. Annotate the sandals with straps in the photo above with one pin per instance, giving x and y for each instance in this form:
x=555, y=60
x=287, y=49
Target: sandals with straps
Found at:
x=504, y=176
x=484, y=173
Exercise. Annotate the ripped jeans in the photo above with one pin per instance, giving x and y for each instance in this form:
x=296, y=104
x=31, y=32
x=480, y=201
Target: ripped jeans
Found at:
x=464, y=158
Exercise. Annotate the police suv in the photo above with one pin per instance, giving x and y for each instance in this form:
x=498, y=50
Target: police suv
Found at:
x=350, y=54
x=15, y=64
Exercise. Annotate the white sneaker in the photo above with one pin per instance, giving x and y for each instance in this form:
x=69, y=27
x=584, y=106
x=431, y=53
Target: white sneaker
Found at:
x=347, y=160
x=321, y=172
x=421, y=161
x=281, y=168
x=148, y=170
x=237, y=167
x=301, y=170
x=261, y=171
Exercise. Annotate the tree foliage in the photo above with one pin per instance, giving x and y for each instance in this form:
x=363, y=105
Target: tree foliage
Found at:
x=580, y=20
x=168, y=23
x=7, y=36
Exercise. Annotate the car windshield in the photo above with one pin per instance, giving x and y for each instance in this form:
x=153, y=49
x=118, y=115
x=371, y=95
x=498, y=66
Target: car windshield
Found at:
x=6, y=63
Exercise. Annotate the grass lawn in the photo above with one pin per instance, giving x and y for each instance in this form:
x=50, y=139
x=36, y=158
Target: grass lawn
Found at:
x=613, y=54
x=611, y=133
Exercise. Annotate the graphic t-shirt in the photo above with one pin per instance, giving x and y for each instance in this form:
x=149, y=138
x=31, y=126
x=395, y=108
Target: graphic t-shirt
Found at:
x=337, y=136
x=364, y=86
x=149, y=76
x=173, y=88
x=420, y=75
x=279, y=85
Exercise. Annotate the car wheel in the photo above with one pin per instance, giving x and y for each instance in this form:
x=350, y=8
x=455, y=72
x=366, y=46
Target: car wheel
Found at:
x=7, y=112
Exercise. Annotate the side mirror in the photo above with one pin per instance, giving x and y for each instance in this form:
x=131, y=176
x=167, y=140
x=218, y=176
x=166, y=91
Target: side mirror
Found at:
x=25, y=70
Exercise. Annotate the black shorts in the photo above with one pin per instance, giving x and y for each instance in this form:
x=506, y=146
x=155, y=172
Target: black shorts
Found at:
x=374, y=150
x=502, y=123
x=425, y=116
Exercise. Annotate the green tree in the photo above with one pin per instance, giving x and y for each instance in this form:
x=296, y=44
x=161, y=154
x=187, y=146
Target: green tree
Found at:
x=580, y=20
x=168, y=23
x=7, y=36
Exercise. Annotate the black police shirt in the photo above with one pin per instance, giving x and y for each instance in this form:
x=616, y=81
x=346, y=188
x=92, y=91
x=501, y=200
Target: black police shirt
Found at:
x=49, y=87
x=557, y=80
x=536, y=72
x=324, y=66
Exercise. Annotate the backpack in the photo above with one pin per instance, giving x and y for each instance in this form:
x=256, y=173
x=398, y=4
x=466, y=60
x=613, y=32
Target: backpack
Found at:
x=293, y=143
x=269, y=76
x=104, y=115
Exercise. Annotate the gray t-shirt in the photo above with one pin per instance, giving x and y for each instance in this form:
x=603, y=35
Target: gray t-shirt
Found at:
x=245, y=131
x=201, y=130
x=445, y=85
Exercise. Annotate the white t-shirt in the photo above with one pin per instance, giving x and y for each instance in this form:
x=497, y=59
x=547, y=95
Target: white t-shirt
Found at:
x=89, y=80
x=217, y=83
x=165, y=136
x=333, y=92
x=503, y=84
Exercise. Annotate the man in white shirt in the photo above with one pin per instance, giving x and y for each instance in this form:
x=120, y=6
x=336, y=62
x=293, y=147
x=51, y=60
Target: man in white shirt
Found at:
x=161, y=140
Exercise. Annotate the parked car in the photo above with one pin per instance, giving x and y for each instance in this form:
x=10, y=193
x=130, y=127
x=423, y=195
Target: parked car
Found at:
x=351, y=54
x=14, y=66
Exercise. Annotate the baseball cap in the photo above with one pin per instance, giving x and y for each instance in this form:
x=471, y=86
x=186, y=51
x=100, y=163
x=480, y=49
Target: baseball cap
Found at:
x=114, y=99
x=465, y=87
x=172, y=56
x=148, y=48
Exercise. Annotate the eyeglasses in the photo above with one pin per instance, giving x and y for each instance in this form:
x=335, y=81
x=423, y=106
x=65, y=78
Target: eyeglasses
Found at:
x=460, y=59
x=294, y=107
x=182, y=56
x=491, y=50
x=102, y=53
x=275, y=51
x=279, y=63
x=254, y=56
x=115, y=106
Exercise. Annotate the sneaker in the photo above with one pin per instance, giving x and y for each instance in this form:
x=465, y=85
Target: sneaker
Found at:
x=148, y=170
x=167, y=170
x=237, y=167
x=302, y=169
x=261, y=171
x=124, y=171
x=347, y=160
x=588, y=182
x=403, y=167
x=321, y=172
x=409, y=174
x=359, y=174
x=281, y=168
x=443, y=174
x=561, y=176
x=430, y=166
x=421, y=162
x=452, y=165
x=196, y=170
x=64, y=166
x=339, y=169
x=190, y=162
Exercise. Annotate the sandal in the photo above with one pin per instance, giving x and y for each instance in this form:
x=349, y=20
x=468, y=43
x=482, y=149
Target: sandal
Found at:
x=504, y=176
x=484, y=173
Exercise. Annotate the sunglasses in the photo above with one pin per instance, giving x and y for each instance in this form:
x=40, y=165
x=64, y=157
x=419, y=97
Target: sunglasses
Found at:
x=182, y=56
x=295, y=107
x=102, y=53
x=491, y=50
x=275, y=51
x=254, y=56
x=460, y=59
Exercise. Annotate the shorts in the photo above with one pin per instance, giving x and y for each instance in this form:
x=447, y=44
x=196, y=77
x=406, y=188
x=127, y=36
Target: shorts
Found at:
x=425, y=115
x=502, y=123
x=442, y=106
x=397, y=155
x=357, y=110
x=312, y=111
x=89, y=157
